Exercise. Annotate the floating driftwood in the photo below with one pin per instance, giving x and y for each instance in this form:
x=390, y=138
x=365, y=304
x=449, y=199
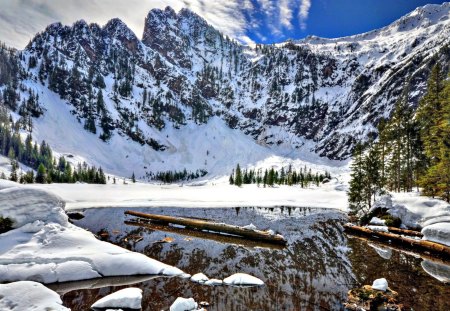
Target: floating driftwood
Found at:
x=219, y=228
x=230, y=239
x=409, y=243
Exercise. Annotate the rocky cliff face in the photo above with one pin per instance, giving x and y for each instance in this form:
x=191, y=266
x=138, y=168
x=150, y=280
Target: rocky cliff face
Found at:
x=332, y=92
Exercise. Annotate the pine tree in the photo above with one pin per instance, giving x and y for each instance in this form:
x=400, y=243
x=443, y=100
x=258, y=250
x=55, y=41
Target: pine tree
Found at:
x=231, y=179
x=238, y=177
x=133, y=178
x=41, y=176
x=356, y=195
x=14, y=167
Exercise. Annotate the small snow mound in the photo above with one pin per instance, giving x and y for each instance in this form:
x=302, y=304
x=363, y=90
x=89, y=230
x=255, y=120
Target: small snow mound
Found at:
x=243, y=279
x=199, y=278
x=377, y=221
x=214, y=282
x=126, y=298
x=26, y=295
x=184, y=304
x=271, y=232
x=438, y=232
x=250, y=227
x=380, y=284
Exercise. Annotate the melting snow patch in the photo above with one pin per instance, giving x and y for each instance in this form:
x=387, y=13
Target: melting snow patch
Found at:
x=378, y=228
x=199, y=278
x=377, y=221
x=26, y=295
x=214, y=282
x=184, y=304
x=250, y=227
x=380, y=284
x=126, y=298
x=243, y=279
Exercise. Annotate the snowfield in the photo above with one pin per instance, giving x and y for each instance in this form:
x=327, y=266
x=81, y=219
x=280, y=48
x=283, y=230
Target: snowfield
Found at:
x=215, y=193
x=45, y=248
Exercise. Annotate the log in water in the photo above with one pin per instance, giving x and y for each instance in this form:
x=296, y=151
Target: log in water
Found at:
x=409, y=243
x=205, y=235
x=257, y=235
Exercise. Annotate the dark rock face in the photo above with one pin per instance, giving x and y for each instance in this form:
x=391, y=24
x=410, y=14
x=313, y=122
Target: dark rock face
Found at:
x=330, y=91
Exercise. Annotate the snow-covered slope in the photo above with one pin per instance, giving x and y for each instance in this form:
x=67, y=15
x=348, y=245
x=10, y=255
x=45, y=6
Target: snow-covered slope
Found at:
x=185, y=96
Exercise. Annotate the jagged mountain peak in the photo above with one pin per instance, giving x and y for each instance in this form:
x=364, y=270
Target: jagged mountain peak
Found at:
x=117, y=28
x=317, y=93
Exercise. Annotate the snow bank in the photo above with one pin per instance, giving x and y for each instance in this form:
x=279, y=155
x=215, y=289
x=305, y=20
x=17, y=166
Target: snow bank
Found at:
x=26, y=295
x=438, y=232
x=199, y=278
x=56, y=253
x=380, y=284
x=45, y=248
x=243, y=279
x=26, y=205
x=184, y=304
x=126, y=298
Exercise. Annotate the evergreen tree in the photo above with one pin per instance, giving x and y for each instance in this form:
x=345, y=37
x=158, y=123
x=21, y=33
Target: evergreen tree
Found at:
x=231, y=179
x=238, y=177
x=356, y=195
x=14, y=167
x=41, y=176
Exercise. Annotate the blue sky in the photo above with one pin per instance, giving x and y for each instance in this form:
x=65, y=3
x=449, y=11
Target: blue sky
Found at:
x=338, y=18
x=249, y=21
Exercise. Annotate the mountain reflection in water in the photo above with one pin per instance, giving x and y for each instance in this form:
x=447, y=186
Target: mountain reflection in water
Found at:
x=314, y=272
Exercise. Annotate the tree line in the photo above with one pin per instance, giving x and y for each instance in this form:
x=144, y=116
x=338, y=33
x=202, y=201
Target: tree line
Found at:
x=413, y=149
x=271, y=177
x=169, y=177
x=40, y=159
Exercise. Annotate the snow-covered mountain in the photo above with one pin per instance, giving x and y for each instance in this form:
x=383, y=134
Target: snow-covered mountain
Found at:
x=188, y=96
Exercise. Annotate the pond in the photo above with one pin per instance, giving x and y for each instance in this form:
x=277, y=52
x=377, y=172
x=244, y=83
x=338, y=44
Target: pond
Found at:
x=313, y=272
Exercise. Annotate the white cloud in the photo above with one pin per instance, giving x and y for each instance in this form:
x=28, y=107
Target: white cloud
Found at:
x=304, y=12
x=20, y=20
x=286, y=13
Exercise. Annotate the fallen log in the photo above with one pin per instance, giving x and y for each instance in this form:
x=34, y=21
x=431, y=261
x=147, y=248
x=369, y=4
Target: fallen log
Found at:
x=229, y=239
x=197, y=224
x=410, y=243
x=405, y=232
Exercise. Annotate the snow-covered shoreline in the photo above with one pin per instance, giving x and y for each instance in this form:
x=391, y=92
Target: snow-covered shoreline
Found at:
x=44, y=247
x=209, y=194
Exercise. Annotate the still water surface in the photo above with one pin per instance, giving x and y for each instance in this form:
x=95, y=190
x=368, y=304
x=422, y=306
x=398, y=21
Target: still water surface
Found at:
x=314, y=272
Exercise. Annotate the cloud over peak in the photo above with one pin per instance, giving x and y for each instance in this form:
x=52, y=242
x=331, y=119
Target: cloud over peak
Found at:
x=241, y=19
